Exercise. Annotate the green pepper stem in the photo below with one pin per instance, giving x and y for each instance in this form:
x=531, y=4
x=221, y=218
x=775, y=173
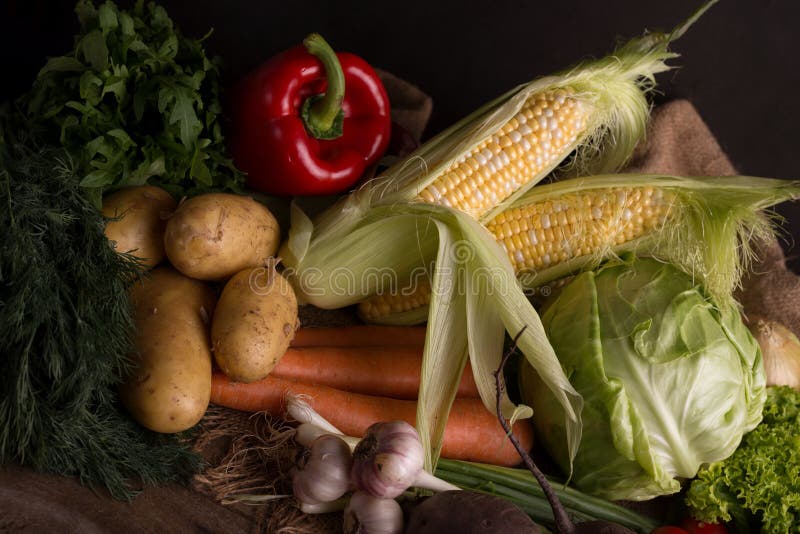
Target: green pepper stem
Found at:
x=323, y=112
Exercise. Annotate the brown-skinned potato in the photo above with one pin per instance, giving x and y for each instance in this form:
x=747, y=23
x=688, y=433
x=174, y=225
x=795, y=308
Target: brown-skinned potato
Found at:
x=140, y=216
x=216, y=235
x=170, y=389
x=255, y=321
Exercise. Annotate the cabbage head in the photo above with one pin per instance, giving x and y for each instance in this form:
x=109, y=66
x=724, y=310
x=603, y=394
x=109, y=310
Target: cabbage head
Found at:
x=671, y=380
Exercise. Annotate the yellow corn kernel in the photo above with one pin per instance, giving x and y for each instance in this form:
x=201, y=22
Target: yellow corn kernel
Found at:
x=539, y=136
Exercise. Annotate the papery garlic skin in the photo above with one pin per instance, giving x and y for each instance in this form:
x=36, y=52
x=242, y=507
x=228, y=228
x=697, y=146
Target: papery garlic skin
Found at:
x=367, y=514
x=388, y=460
x=780, y=350
x=325, y=476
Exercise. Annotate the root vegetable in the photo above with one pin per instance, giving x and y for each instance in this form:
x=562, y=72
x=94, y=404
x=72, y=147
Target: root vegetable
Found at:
x=367, y=514
x=170, y=389
x=254, y=322
x=468, y=512
x=472, y=432
x=216, y=235
x=360, y=336
x=140, y=216
x=389, y=459
x=780, y=350
x=386, y=371
x=324, y=475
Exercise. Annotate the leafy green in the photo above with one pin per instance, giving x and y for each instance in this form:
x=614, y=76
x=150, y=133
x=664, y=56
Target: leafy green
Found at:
x=65, y=334
x=134, y=102
x=759, y=483
x=671, y=379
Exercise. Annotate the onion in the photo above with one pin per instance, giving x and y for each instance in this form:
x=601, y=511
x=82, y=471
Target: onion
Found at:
x=780, y=350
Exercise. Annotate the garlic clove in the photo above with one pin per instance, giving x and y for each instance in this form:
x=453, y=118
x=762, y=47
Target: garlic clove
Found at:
x=325, y=476
x=367, y=514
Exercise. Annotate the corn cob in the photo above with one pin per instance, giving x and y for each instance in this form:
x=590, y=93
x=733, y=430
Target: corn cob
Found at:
x=558, y=228
x=578, y=224
x=537, y=137
x=530, y=144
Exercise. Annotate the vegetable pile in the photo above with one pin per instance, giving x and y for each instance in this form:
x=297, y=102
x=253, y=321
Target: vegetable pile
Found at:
x=353, y=389
x=135, y=101
x=143, y=278
x=182, y=324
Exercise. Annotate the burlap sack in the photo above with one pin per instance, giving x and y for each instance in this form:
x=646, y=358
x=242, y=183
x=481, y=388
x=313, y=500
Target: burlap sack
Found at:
x=678, y=143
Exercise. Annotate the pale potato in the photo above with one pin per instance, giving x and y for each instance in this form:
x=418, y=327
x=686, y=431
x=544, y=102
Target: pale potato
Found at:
x=216, y=235
x=171, y=386
x=142, y=213
x=255, y=320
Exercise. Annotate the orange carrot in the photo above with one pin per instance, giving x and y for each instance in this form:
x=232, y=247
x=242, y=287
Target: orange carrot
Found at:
x=472, y=432
x=386, y=371
x=360, y=335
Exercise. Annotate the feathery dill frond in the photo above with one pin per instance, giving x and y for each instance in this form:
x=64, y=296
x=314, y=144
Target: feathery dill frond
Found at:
x=65, y=334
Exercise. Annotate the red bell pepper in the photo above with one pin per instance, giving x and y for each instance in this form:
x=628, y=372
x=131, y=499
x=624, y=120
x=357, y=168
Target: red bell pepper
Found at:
x=309, y=121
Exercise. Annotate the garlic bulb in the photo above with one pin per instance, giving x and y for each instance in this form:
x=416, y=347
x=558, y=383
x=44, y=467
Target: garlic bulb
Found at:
x=780, y=350
x=367, y=514
x=325, y=476
x=389, y=459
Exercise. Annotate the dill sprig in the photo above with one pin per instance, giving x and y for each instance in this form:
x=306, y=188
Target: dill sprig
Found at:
x=66, y=334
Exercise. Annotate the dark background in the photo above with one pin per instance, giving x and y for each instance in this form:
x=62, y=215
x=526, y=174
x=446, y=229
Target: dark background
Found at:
x=739, y=63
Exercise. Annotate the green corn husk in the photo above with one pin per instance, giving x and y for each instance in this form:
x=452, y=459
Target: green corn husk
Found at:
x=475, y=293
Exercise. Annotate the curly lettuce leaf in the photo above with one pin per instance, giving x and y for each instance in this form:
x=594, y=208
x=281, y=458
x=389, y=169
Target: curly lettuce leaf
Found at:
x=758, y=486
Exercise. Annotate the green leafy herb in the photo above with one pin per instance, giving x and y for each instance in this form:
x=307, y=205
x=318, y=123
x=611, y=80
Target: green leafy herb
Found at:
x=759, y=484
x=65, y=334
x=134, y=102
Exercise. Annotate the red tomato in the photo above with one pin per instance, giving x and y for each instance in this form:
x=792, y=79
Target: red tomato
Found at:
x=669, y=530
x=692, y=526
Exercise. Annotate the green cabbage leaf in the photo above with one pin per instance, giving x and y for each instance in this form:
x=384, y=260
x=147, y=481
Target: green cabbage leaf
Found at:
x=671, y=380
